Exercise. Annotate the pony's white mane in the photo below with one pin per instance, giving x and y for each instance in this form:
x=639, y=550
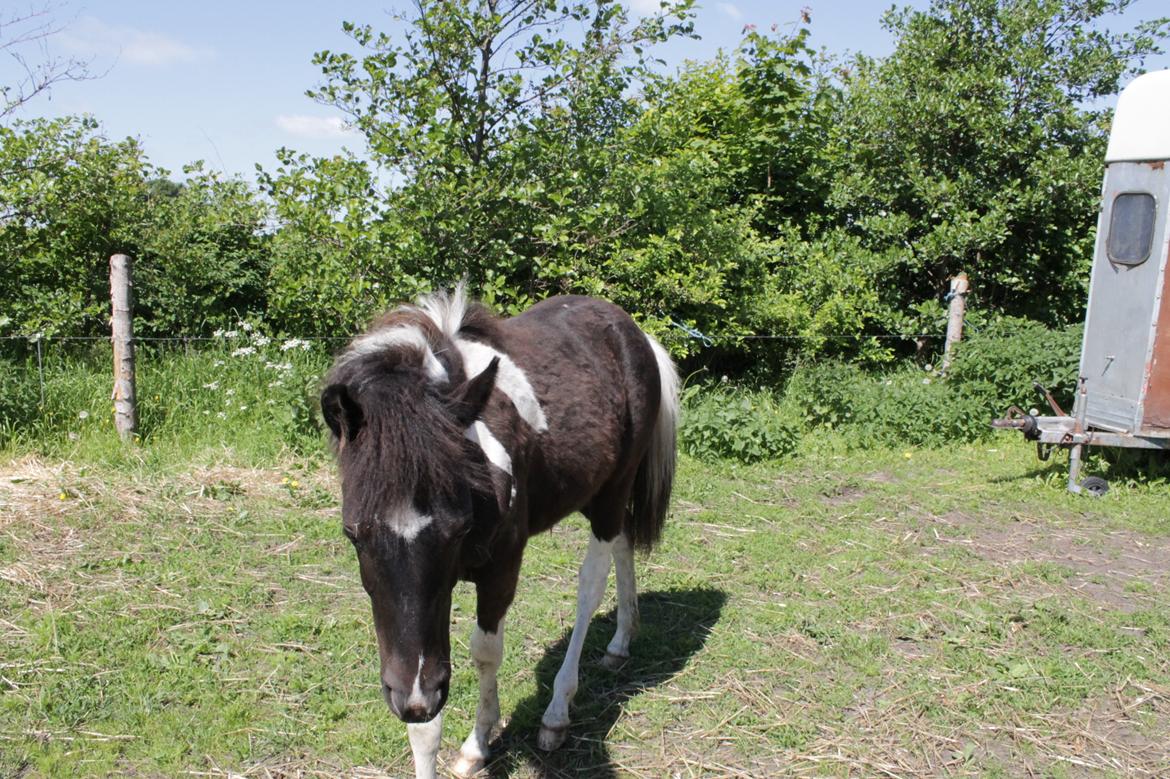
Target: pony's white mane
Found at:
x=394, y=338
x=446, y=309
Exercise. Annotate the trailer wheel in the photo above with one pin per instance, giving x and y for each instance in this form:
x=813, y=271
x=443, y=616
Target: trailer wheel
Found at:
x=1095, y=486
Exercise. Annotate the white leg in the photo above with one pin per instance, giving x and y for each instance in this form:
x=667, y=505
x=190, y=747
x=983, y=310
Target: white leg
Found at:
x=590, y=589
x=618, y=650
x=424, y=743
x=487, y=650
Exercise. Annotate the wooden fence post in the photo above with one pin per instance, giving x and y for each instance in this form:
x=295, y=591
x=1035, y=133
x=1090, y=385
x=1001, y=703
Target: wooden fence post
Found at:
x=958, y=297
x=122, y=328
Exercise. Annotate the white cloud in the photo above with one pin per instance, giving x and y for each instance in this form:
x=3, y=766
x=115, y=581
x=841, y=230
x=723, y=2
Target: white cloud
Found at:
x=91, y=37
x=645, y=7
x=731, y=9
x=315, y=127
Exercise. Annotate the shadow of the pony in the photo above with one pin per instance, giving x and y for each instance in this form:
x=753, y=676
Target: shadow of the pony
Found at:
x=674, y=626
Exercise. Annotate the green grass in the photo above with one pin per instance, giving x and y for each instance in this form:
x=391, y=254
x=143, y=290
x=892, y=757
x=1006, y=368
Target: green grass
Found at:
x=174, y=608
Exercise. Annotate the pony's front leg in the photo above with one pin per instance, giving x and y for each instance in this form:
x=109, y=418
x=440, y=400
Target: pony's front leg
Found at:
x=424, y=744
x=487, y=650
x=590, y=590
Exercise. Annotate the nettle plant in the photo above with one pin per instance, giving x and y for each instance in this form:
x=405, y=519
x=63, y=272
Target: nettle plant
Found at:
x=722, y=422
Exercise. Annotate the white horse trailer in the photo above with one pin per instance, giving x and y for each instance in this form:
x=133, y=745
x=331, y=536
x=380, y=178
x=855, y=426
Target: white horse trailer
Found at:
x=1123, y=396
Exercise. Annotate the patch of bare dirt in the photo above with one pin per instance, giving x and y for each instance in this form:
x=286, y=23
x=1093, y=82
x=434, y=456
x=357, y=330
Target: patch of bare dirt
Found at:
x=30, y=488
x=1122, y=733
x=884, y=733
x=1117, y=569
x=843, y=494
x=40, y=502
x=34, y=496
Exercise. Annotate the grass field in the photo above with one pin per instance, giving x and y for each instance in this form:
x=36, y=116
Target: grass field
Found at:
x=894, y=613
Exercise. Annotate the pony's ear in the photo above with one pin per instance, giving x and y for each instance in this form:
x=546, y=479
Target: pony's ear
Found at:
x=342, y=413
x=470, y=398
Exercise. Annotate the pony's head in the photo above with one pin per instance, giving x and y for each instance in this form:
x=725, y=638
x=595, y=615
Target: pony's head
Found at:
x=416, y=497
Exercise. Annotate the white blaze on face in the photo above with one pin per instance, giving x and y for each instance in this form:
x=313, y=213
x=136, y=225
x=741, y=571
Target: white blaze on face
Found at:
x=407, y=522
x=416, y=695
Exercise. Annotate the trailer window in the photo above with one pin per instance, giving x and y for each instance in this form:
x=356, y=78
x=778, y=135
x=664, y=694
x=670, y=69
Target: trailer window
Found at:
x=1131, y=228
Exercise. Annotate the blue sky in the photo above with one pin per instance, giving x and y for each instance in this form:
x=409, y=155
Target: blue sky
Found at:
x=225, y=81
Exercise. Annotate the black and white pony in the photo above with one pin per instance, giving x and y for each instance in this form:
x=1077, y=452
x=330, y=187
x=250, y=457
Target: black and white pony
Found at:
x=458, y=436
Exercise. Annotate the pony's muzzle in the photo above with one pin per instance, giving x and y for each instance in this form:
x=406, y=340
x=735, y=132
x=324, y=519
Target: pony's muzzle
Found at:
x=421, y=701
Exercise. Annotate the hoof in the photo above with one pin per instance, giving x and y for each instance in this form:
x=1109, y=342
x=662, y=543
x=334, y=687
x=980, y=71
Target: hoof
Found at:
x=466, y=767
x=551, y=738
x=614, y=662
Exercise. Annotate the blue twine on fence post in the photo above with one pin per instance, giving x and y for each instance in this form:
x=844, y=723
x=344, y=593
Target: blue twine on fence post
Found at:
x=693, y=332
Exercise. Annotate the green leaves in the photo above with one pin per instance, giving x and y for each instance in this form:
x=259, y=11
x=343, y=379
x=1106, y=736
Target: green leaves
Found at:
x=69, y=198
x=533, y=147
x=975, y=147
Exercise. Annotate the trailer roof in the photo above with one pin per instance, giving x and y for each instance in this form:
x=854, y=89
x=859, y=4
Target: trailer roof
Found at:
x=1141, y=123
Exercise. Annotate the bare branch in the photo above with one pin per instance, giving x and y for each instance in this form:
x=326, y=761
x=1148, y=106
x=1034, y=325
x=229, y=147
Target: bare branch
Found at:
x=24, y=37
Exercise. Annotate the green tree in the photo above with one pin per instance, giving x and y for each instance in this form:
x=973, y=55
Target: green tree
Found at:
x=483, y=119
x=69, y=198
x=338, y=255
x=203, y=254
x=977, y=146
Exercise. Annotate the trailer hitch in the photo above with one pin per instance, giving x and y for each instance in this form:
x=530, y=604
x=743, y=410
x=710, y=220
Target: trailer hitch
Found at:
x=1018, y=419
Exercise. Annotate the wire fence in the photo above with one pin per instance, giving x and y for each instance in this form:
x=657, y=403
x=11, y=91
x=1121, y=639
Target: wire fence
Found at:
x=27, y=354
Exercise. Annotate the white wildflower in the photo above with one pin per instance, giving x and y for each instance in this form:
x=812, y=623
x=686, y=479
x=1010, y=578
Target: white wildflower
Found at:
x=246, y=327
x=221, y=415
x=218, y=363
x=218, y=333
x=230, y=392
x=243, y=407
x=211, y=385
x=231, y=334
x=292, y=343
x=243, y=351
x=261, y=340
x=83, y=415
x=277, y=383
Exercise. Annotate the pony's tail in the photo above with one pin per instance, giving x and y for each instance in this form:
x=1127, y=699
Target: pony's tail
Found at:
x=652, y=485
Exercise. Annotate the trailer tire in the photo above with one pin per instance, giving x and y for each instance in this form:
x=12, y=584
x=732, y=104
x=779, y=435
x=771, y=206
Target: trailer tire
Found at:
x=1095, y=486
